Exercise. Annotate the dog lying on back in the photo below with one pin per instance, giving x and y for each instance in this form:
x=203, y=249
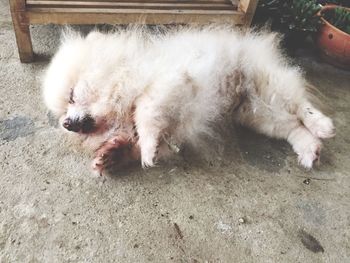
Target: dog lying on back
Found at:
x=134, y=95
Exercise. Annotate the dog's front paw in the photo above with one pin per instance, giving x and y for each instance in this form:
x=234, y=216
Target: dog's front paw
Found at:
x=148, y=159
x=98, y=164
x=113, y=152
x=149, y=152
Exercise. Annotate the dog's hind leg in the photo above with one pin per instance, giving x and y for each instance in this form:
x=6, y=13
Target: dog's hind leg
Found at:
x=279, y=123
x=317, y=123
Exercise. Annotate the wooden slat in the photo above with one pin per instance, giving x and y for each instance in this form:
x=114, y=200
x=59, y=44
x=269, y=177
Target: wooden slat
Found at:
x=145, y=6
x=122, y=2
x=128, y=5
x=134, y=10
x=234, y=2
x=141, y=16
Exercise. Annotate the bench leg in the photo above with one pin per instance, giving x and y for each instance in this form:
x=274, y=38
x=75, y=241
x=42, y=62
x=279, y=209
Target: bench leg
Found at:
x=248, y=7
x=22, y=32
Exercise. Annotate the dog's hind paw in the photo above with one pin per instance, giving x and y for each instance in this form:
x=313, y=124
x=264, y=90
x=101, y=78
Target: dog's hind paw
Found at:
x=310, y=155
x=306, y=146
x=318, y=124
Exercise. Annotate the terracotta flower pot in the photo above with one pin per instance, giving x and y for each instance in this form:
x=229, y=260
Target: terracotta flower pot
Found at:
x=333, y=43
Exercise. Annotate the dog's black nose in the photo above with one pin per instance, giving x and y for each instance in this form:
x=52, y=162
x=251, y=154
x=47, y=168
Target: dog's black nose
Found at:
x=84, y=125
x=72, y=125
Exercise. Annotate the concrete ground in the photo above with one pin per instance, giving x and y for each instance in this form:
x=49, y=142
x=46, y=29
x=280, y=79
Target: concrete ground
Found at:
x=254, y=204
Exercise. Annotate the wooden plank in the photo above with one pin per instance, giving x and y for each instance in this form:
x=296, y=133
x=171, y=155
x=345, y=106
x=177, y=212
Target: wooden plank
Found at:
x=167, y=5
x=234, y=2
x=132, y=10
x=133, y=16
x=131, y=2
x=71, y=4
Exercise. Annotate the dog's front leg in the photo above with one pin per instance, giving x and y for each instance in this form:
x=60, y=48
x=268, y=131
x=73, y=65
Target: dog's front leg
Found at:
x=149, y=124
x=148, y=143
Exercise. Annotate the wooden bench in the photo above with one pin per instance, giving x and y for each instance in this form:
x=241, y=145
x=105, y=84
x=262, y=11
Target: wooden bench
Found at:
x=27, y=12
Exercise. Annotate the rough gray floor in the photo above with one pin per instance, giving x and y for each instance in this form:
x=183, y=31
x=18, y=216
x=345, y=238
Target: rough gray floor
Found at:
x=253, y=205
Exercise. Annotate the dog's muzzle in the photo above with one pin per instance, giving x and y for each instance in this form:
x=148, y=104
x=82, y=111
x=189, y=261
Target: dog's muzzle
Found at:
x=84, y=125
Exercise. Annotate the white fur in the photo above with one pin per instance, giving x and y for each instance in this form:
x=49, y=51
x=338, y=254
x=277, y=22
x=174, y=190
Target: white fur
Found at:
x=176, y=86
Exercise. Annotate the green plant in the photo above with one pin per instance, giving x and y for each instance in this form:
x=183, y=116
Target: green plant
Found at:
x=291, y=15
x=335, y=2
x=297, y=19
x=303, y=16
x=340, y=18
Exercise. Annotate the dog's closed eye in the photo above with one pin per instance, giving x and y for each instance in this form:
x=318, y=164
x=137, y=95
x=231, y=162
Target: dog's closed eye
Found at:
x=71, y=97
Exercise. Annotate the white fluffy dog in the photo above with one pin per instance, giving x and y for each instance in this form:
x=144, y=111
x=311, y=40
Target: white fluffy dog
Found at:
x=133, y=95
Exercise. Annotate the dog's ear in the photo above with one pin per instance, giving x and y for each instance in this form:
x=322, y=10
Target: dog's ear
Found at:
x=60, y=76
